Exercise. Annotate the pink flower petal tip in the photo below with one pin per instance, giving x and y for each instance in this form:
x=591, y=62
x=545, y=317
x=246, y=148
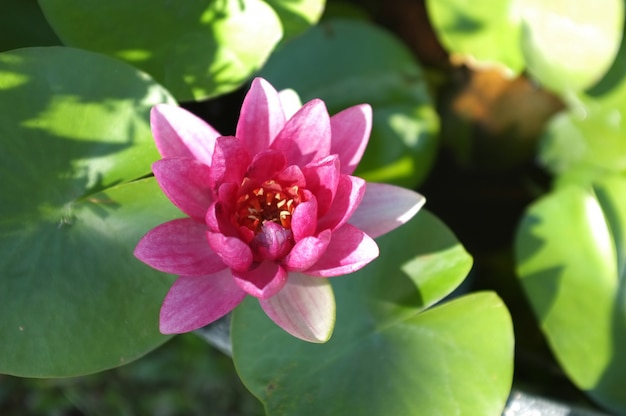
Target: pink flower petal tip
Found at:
x=305, y=308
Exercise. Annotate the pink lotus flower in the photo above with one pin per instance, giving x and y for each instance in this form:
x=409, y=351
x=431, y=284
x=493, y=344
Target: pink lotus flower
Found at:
x=272, y=212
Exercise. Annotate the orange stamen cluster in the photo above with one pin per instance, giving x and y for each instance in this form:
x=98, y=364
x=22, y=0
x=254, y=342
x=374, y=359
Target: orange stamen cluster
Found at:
x=268, y=202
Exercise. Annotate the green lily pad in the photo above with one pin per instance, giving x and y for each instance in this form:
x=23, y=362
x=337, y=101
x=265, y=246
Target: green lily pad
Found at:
x=569, y=45
x=571, y=259
x=327, y=62
x=484, y=31
x=388, y=354
x=73, y=131
x=196, y=48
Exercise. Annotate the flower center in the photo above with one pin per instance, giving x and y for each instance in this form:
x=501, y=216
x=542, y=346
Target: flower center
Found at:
x=268, y=202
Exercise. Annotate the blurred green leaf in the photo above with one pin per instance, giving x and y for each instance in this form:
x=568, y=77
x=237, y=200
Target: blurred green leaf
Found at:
x=484, y=31
x=386, y=356
x=351, y=62
x=569, y=45
x=297, y=15
x=616, y=75
x=73, y=131
x=205, y=384
x=22, y=24
x=196, y=49
x=588, y=140
x=571, y=259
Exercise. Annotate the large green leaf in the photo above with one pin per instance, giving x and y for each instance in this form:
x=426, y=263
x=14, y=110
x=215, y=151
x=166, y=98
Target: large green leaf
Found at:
x=73, y=131
x=484, y=31
x=388, y=356
x=571, y=255
x=569, y=45
x=195, y=48
x=351, y=62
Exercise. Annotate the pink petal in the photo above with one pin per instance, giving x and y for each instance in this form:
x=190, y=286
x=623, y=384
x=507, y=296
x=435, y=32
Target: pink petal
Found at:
x=349, y=194
x=385, y=207
x=179, y=247
x=322, y=178
x=234, y=252
x=304, y=219
x=351, y=130
x=306, y=252
x=193, y=302
x=305, y=308
x=230, y=160
x=291, y=176
x=265, y=165
x=261, y=118
x=263, y=281
x=290, y=101
x=306, y=136
x=187, y=183
x=179, y=133
x=218, y=220
x=273, y=242
x=227, y=194
x=349, y=250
